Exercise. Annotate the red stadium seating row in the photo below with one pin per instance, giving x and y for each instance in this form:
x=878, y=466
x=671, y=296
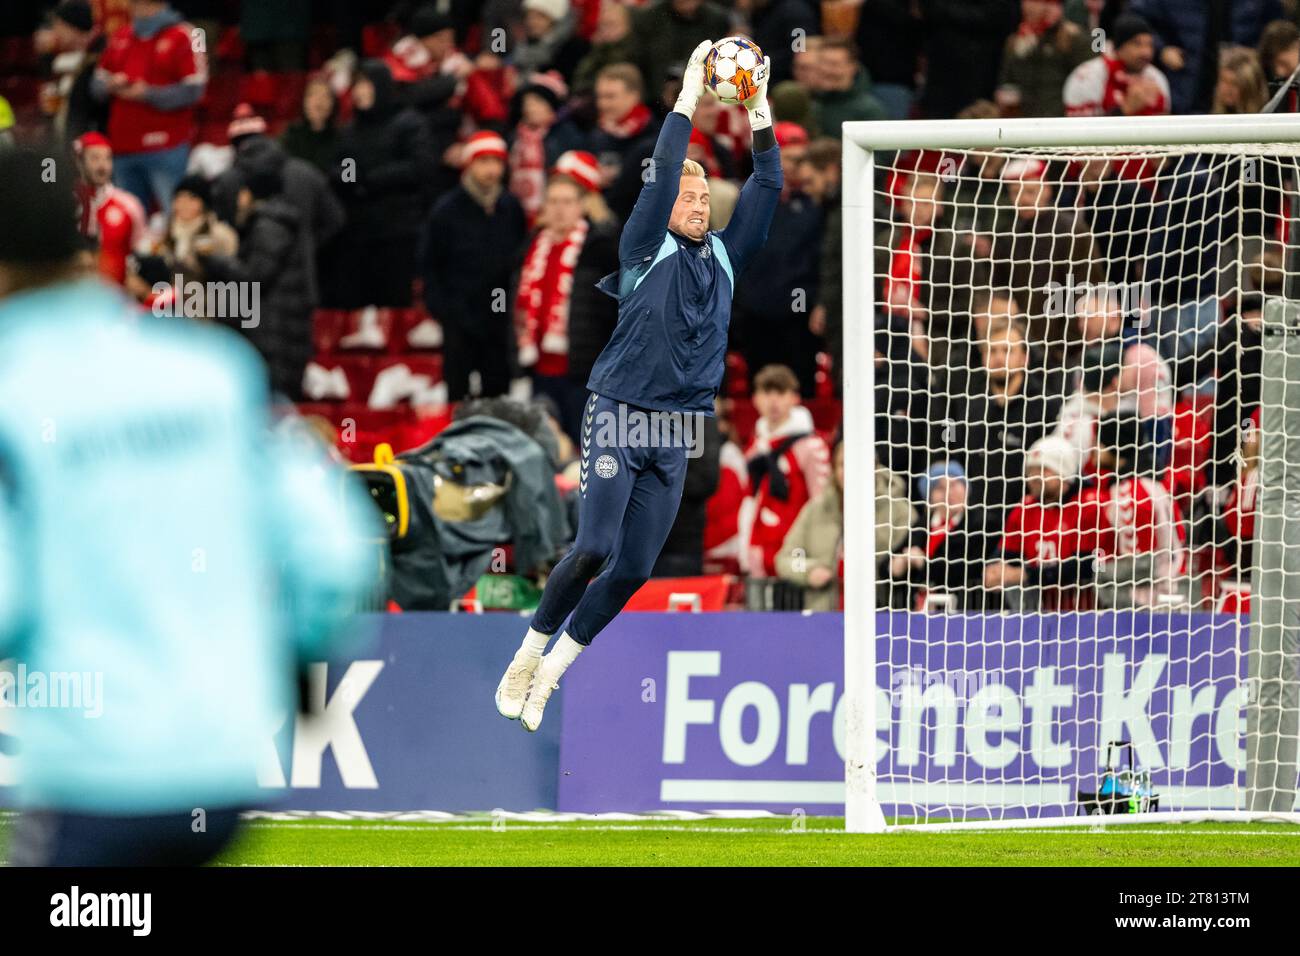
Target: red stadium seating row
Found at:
x=386, y=331
x=704, y=593
x=360, y=429
x=379, y=381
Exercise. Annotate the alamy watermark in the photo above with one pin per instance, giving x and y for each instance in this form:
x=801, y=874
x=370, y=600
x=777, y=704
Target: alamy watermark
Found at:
x=631, y=427
x=62, y=690
x=209, y=300
x=910, y=684
x=1070, y=298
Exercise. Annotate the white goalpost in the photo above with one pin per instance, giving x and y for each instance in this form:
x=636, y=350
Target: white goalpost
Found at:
x=1073, y=347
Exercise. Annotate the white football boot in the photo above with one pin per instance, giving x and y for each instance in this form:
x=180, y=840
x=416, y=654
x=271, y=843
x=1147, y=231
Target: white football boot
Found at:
x=544, y=683
x=513, y=689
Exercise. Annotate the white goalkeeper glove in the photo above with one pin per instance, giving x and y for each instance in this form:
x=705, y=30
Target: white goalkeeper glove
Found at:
x=760, y=114
x=692, y=81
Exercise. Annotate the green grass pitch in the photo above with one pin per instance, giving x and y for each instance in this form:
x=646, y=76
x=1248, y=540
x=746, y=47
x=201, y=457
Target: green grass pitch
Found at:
x=770, y=841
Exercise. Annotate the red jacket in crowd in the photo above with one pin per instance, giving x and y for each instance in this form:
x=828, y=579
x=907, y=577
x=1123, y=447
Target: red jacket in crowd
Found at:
x=164, y=59
x=804, y=463
x=1125, y=517
x=1098, y=88
x=117, y=220
x=1040, y=534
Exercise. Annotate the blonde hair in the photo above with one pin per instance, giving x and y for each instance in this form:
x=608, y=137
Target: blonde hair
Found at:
x=1242, y=63
x=691, y=168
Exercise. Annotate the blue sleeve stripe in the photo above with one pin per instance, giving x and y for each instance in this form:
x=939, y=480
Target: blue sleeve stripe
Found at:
x=666, y=249
x=724, y=259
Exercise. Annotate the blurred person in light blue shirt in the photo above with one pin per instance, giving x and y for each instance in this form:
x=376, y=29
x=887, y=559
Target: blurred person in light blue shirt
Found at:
x=167, y=563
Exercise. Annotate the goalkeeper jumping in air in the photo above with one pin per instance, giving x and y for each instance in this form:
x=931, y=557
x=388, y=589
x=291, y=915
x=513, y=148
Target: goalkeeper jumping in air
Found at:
x=674, y=288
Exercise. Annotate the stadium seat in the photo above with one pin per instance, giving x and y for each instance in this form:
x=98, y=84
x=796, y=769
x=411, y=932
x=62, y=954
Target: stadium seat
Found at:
x=326, y=329
x=420, y=428
x=415, y=331
x=358, y=429
x=365, y=330
x=367, y=427
x=1234, y=597
x=406, y=380
x=358, y=370
x=704, y=593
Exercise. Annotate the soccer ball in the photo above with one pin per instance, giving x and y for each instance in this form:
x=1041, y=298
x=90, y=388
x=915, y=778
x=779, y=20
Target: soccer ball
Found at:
x=733, y=69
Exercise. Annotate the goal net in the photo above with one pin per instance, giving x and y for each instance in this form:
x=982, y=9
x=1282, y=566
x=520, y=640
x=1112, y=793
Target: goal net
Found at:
x=1072, y=358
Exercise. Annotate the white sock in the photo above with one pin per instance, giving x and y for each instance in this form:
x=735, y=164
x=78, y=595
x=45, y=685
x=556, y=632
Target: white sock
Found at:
x=534, y=644
x=564, y=653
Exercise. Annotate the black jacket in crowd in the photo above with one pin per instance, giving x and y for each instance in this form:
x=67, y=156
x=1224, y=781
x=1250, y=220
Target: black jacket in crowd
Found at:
x=84, y=113
x=592, y=313
x=777, y=291
x=774, y=23
x=271, y=255
x=384, y=165
x=466, y=255
x=889, y=41
x=963, y=42
x=321, y=215
x=317, y=147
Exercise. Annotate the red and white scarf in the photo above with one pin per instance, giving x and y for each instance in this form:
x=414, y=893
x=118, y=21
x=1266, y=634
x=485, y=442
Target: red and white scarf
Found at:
x=545, y=290
x=902, y=286
x=528, y=168
x=637, y=119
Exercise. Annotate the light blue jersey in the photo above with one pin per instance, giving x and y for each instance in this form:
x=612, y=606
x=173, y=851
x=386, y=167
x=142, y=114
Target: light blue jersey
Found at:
x=159, y=550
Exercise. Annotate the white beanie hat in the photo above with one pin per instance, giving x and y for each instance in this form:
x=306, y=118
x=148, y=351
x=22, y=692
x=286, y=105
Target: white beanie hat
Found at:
x=1057, y=454
x=555, y=9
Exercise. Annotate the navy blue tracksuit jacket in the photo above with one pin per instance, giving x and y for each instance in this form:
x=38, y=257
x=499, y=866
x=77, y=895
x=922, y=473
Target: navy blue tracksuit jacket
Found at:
x=668, y=351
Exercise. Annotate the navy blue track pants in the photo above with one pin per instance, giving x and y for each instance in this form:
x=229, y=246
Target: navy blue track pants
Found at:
x=630, y=490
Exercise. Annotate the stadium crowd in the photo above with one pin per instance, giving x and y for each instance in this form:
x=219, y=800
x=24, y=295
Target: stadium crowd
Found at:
x=425, y=194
